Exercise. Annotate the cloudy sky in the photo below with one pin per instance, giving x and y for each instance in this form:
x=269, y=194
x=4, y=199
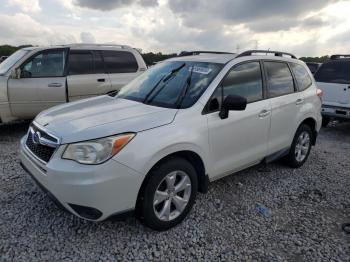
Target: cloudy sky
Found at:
x=304, y=27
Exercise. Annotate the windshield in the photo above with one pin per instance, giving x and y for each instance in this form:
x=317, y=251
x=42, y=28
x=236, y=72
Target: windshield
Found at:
x=172, y=84
x=11, y=60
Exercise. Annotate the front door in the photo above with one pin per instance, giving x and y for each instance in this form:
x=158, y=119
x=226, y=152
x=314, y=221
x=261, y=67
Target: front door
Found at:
x=242, y=138
x=42, y=83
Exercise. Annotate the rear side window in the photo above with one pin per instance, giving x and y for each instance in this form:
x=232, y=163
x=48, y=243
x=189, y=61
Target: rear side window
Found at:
x=244, y=80
x=279, y=79
x=334, y=72
x=302, y=76
x=81, y=63
x=120, y=62
x=98, y=62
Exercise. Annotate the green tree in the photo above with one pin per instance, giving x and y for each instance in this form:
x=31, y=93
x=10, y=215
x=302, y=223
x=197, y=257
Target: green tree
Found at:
x=320, y=59
x=6, y=50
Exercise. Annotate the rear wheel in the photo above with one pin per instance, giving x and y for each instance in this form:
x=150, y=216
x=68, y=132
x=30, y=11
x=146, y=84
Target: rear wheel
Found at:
x=325, y=120
x=169, y=194
x=301, y=146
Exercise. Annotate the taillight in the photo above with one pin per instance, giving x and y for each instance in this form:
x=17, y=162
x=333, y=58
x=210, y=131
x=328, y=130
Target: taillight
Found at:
x=319, y=93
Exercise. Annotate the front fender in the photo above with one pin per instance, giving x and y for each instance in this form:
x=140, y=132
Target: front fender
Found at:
x=150, y=146
x=175, y=148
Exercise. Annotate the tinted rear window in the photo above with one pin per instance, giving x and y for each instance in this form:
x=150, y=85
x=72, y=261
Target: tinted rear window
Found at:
x=334, y=72
x=279, y=78
x=120, y=62
x=81, y=63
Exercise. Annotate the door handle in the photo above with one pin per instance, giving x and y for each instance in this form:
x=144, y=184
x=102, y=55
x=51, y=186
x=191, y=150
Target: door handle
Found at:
x=101, y=80
x=54, y=85
x=264, y=113
x=299, y=101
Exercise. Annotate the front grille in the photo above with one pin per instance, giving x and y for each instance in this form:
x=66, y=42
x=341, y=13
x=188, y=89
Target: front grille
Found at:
x=42, y=152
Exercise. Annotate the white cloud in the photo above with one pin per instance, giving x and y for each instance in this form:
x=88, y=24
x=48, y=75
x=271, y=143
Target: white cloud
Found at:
x=87, y=37
x=315, y=28
x=28, y=6
x=22, y=29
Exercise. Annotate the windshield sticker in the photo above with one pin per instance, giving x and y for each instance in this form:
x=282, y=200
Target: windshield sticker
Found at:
x=200, y=70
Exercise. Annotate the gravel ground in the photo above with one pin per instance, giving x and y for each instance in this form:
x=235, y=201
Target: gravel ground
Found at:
x=307, y=206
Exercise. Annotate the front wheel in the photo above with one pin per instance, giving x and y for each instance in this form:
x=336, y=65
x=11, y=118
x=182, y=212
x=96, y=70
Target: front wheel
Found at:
x=169, y=194
x=300, y=148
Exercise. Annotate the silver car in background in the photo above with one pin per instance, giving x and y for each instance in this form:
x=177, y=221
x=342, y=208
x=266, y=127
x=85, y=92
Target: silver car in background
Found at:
x=36, y=78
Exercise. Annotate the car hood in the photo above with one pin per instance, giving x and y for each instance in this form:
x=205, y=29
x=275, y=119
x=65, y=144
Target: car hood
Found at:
x=100, y=117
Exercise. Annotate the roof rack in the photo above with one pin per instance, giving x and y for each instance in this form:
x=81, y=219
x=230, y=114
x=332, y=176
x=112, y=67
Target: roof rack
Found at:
x=104, y=45
x=333, y=57
x=188, y=53
x=277, y=53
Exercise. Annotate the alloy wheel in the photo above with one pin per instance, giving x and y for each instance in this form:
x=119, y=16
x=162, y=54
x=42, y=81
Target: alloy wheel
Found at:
x=172, y=195
x=302, y=146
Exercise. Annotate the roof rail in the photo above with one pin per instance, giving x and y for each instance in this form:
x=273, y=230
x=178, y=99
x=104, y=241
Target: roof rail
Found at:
x=277, y=53
x=188, y=53
x=104, y=45
x=333, y=57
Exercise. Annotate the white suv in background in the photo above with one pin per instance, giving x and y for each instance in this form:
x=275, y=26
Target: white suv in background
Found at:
x=36, y=78
x=183, y=123
x=333, y=77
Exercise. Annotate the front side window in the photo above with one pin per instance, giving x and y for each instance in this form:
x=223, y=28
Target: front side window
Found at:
x=302, y=76
x=120, y=62
x=279, y=79
x=172, y=84
x=336, y=71
x=244, y=80
x=46, y=64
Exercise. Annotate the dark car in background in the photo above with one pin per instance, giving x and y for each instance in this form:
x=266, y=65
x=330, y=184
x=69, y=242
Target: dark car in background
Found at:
x=313, y=66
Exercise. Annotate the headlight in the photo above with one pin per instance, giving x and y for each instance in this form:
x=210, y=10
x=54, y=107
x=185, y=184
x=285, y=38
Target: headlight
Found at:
x=96, y=151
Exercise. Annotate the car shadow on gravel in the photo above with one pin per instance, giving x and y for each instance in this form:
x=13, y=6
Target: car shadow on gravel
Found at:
x=11, y=131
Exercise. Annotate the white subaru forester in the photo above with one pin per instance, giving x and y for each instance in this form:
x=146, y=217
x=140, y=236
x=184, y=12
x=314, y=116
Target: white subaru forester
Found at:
x=183, y=123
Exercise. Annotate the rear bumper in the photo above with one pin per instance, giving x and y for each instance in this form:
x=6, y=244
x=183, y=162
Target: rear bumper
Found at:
x=336, y=112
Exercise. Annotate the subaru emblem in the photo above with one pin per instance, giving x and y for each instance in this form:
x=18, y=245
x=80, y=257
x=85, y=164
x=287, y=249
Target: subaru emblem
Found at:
x=36, y=137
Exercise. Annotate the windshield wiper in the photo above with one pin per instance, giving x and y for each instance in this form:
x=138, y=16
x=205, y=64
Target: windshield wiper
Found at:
x=185, y=89
x=165, y=79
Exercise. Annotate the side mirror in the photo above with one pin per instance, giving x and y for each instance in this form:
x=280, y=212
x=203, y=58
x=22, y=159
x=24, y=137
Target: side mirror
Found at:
x=234, y=103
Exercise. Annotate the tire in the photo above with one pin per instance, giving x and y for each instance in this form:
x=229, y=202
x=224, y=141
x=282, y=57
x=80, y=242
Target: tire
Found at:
x=172, y=171
x=298, y=154
x=325, y=121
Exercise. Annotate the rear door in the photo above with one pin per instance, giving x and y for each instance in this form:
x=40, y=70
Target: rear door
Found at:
x=42, y=83
x=286, y=105
x=121, y=66
x=333, y=78
x=86, y=75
